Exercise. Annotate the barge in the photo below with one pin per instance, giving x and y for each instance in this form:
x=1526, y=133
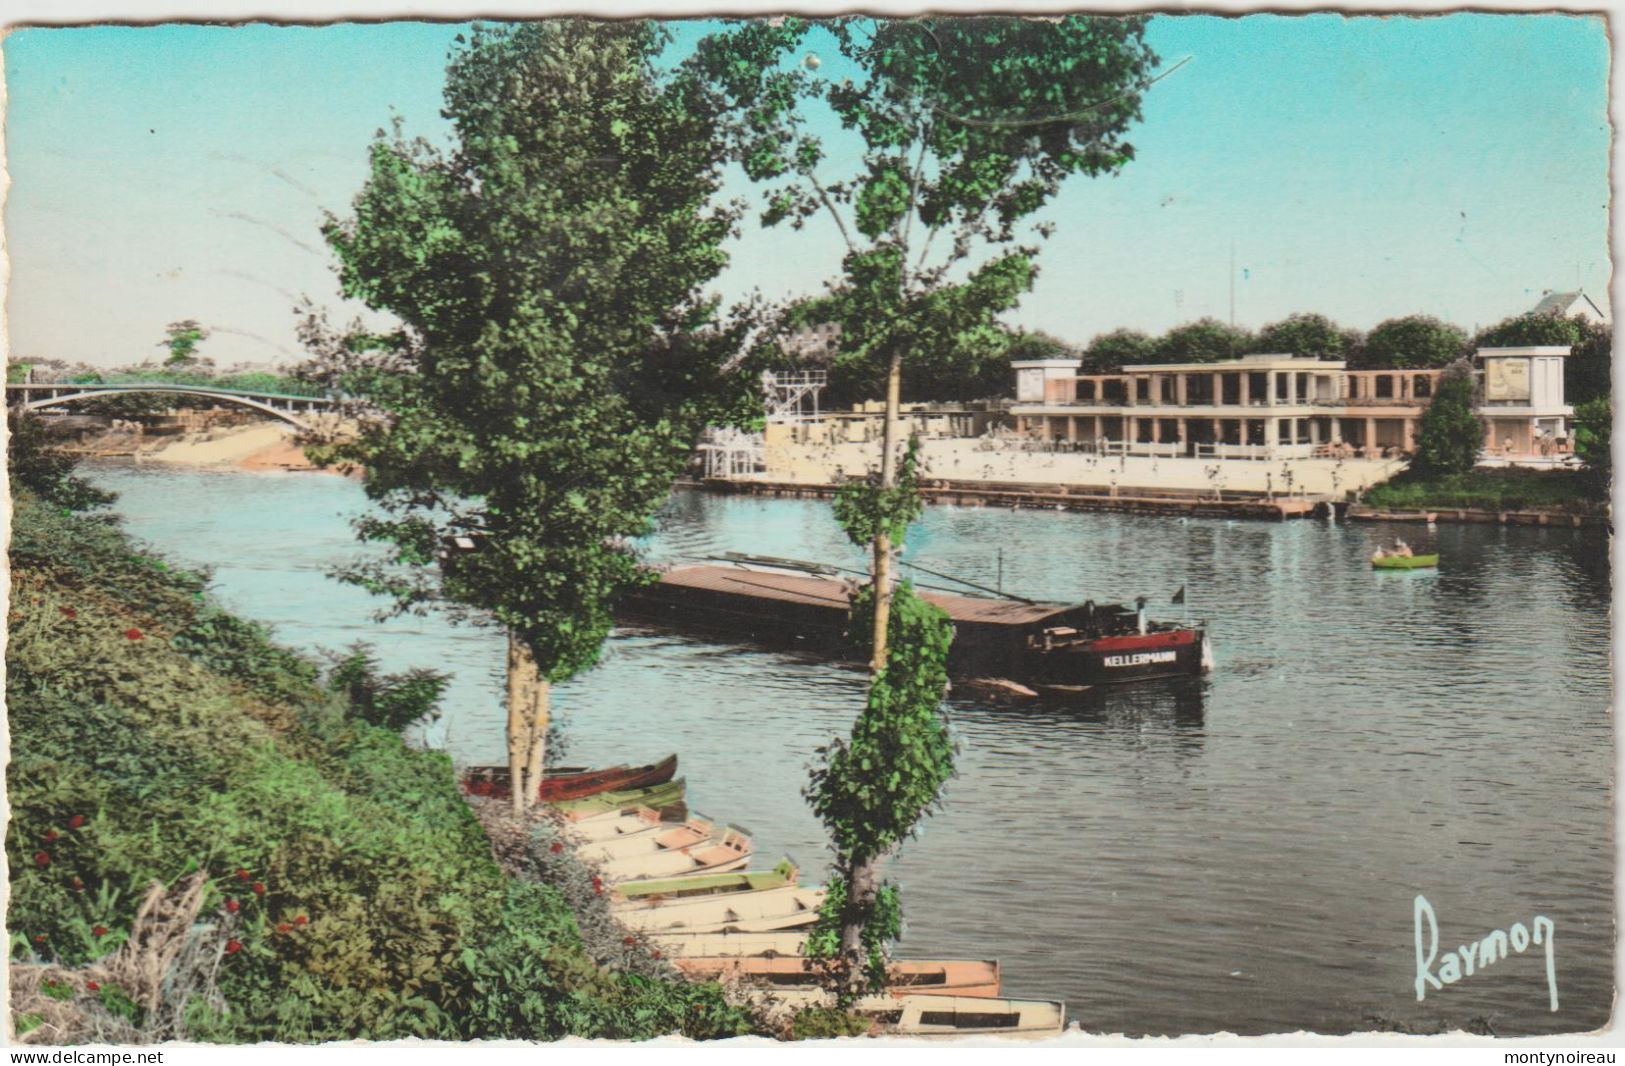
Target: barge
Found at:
x=1047, y=646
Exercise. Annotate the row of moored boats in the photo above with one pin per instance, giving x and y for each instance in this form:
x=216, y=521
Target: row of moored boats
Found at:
x=682, y=881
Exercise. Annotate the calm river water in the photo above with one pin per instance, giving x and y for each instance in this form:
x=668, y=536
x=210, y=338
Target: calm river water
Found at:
x=1239, y=855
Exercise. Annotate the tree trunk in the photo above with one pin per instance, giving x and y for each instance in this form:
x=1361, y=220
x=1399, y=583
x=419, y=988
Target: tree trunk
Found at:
x=882, y=542
x=523, y=679
x=541, y=693
x=862, y=886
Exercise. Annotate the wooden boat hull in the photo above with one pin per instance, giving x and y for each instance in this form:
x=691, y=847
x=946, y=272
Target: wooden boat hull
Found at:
x=657, y=891
x=1028, y=643
x=658, y=838
x=1405, y=562
x=655, y=797
x=617, y=825
x=969, y=978
x=728, y=944
x=769, y=910
x=559, y=785
x=952, y=1017
x=727, y=851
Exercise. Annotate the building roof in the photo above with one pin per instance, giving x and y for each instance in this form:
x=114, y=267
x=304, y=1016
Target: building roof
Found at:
x=1562, y=304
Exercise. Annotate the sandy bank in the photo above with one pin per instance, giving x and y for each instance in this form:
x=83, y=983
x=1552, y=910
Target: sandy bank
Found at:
x=261, y=446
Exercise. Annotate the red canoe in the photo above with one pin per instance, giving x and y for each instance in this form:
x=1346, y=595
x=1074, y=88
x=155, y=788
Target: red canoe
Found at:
x=572, y=783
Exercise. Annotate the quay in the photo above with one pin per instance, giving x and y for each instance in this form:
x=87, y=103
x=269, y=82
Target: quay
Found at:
x=1362, y=513
x=1048, y=497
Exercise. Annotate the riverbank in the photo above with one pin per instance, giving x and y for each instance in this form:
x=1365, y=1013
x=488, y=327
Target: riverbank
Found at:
x=252, y=446
x=210, y=840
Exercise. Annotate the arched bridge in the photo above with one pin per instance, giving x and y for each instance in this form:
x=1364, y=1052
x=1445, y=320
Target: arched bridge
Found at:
x=285, y=406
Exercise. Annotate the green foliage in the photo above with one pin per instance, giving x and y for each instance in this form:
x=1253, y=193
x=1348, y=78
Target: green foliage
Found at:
x=392, y=701
x=1588, y=373
x=827, y=1023
x=1451, y=435
x=347, y=866
x=1593, y=441
x=865, y=508
x=1112, y=351
x=1309, y=336
x=871, y=789
x=1207, y=340
x=38, y=467
x=182, y=339
x=1414, y=341
x=970, y=125
x=555, y=366
x=1506, y=489
x=1529, y=329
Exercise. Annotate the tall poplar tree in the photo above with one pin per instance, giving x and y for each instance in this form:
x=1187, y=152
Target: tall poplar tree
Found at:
x=555, y=362
x=967, y=127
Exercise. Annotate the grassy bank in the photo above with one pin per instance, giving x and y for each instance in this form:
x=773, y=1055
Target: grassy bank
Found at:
x=1510, y=489
x=209, y=842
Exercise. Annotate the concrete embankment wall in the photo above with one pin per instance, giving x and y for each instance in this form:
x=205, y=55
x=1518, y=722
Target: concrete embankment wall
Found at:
x=985, y=462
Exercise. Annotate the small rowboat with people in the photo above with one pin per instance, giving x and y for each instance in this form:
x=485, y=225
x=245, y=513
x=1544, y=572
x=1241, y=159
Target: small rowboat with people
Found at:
x=726, y=849
x=784, y=942
x=904, y=977
x=572, y=782
x=789, y=907
x=956, y=1016
x=1400, y=557
x=655, y=893
x=1404, y=562
x=656, y=796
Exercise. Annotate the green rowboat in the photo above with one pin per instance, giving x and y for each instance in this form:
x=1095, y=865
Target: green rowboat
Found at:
x=656, y=796
x=785, y=873
x=1404, y=562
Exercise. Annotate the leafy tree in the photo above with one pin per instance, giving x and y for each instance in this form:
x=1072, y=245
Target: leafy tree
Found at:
x=1529, y=329
x=969, y=126
x=1207, y=340
x=1414, y=341
x=1588, y=374
x=1308, y=336
x=393, y=701
x=182, y=339
x=1451, y=435
x=1113, y=351
x=38, y=466
x=1593, y=440
x=554, y=365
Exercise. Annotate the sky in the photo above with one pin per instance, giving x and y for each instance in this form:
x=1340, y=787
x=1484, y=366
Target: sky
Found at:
x=1363, y=168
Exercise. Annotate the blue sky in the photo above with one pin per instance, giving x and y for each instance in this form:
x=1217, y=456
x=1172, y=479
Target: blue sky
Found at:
x=1362, y=167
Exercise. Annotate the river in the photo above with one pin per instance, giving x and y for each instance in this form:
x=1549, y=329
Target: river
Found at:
x=1240, y=854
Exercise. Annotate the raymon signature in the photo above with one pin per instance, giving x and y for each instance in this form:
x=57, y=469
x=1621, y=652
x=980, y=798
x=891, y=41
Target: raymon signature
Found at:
x=1479, y=955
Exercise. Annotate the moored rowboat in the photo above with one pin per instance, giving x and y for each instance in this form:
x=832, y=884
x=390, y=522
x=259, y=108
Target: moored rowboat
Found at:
x=572, y=783
x=656, y=797
x=789, y=907
x=905, y=977
x=617, y=825
x=708, y=944
x=659, y=837
x=955, y=1016
x=653, y=893
x=725, y=850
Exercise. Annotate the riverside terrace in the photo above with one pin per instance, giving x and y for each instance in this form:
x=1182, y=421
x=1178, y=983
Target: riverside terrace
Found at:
x=1284, y=407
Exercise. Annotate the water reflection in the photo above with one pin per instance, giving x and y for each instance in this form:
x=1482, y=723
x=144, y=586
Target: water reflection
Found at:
x=1238, y=852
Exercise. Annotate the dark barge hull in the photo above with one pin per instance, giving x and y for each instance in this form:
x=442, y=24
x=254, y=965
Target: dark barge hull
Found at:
x=1034, y=644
